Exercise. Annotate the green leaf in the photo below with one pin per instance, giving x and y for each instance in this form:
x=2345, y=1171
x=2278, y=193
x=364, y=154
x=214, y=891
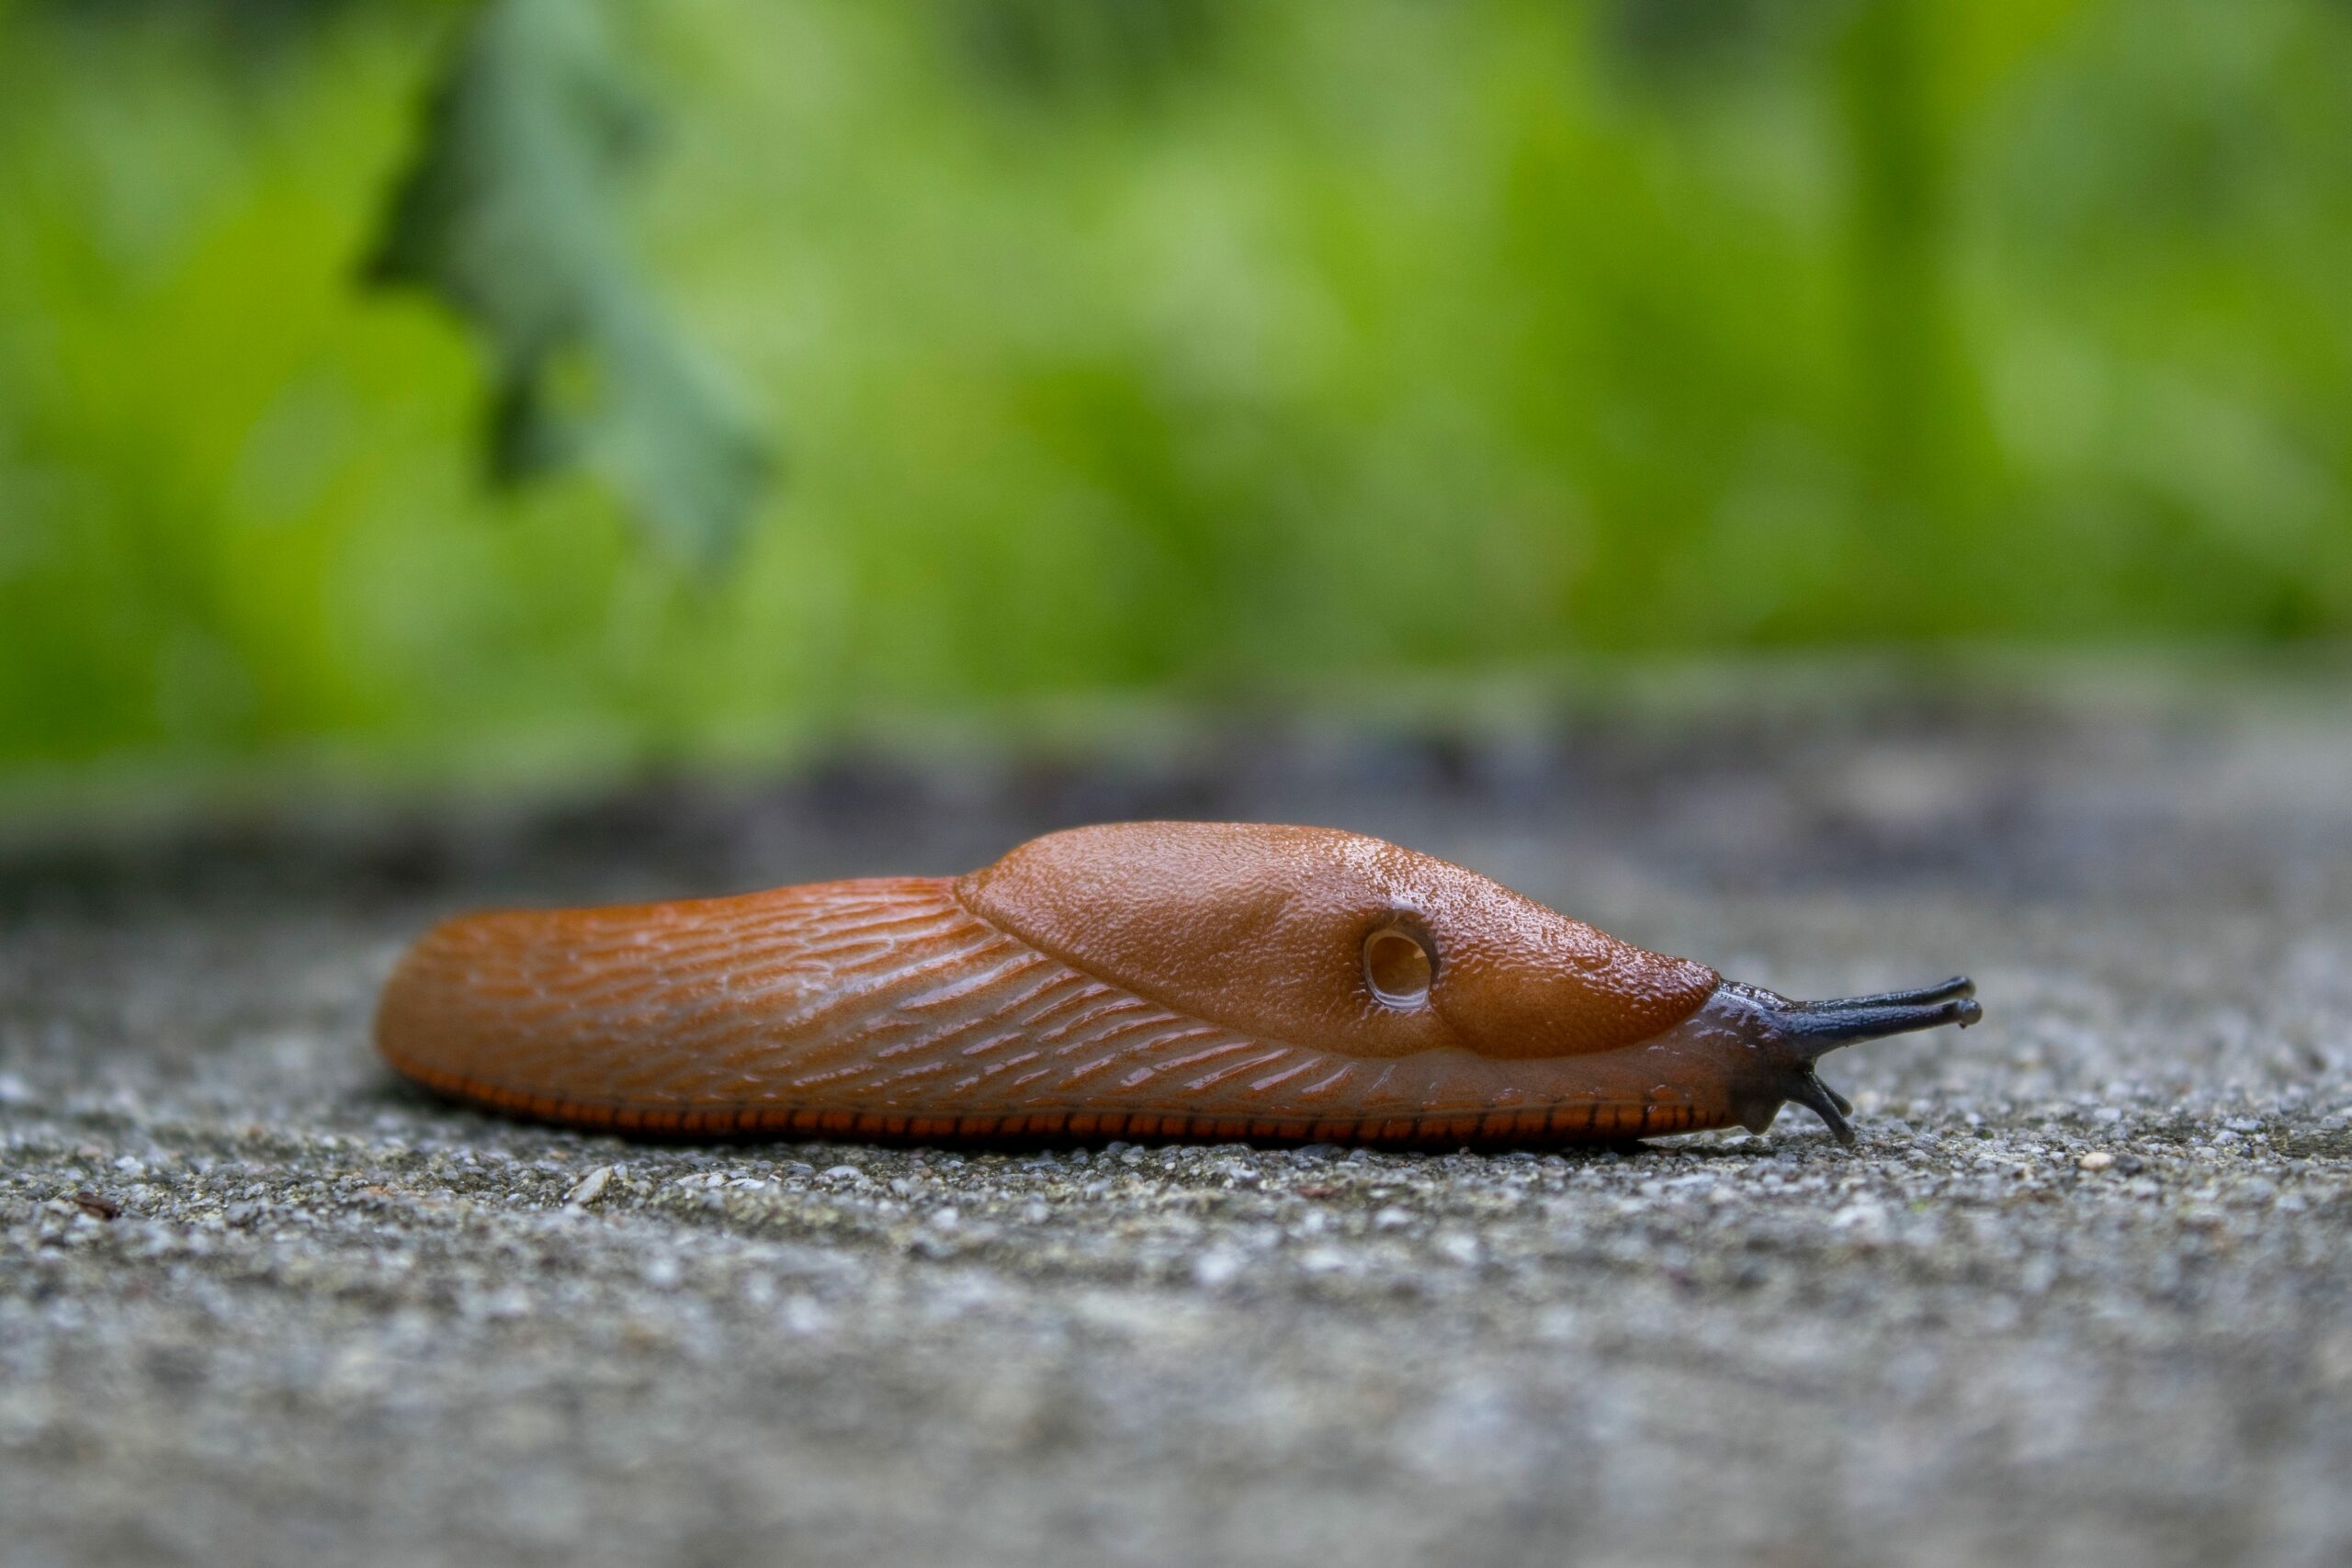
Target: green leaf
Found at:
x=508, y=214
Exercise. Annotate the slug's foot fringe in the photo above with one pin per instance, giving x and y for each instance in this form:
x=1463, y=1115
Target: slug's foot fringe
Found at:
x=1807, y=1031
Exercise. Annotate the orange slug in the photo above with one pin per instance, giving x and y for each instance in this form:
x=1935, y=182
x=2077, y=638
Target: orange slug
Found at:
x=1195, y=980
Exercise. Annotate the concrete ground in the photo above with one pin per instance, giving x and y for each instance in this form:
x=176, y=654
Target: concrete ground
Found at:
x=2082, y=1293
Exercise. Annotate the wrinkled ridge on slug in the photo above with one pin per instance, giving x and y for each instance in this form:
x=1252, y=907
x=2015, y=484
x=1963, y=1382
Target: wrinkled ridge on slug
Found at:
x=1144, y=981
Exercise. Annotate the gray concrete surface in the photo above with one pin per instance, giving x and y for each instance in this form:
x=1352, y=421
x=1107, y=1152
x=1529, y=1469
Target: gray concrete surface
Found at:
x=2080, y=1294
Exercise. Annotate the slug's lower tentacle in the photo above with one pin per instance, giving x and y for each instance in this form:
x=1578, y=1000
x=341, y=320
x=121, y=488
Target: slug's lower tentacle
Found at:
x=1823, y=1102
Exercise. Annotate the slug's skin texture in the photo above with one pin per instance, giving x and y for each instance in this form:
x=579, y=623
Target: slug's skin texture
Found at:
x=1140, y=980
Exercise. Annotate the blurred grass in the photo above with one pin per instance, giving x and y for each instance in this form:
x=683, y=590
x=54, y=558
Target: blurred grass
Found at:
x=1182, y=344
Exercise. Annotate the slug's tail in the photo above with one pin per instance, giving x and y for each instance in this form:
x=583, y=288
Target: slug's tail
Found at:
x=687, y=1018
x=1807, y=1031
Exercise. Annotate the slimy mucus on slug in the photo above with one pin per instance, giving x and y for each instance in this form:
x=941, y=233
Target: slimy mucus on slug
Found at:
x=1137, y=980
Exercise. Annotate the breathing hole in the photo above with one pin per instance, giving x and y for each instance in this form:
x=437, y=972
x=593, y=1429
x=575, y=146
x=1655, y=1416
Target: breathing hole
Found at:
x=1397, y=966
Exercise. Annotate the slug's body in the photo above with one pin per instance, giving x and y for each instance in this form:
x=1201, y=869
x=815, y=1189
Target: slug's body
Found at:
x=1140, y=980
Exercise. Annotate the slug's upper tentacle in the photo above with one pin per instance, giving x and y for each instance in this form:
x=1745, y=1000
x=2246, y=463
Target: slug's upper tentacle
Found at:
x=1818, y=1031
x=1959, y=986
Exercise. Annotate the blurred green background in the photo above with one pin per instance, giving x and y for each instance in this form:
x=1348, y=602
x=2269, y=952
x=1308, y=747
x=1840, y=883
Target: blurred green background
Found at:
x=938, y=357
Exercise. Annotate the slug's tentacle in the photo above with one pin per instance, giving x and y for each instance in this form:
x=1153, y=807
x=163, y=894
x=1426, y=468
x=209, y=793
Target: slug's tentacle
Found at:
x=1146, y=980
x=1823, y=1102
x=1819, y=1033
x=1794, y=1035
x=1958, y=986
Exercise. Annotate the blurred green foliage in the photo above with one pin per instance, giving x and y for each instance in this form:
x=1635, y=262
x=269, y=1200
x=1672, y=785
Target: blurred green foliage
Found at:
x=1194, y=344
x=508, y=213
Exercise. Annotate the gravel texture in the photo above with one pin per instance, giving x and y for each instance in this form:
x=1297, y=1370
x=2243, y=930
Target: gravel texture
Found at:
x=2081, y=1292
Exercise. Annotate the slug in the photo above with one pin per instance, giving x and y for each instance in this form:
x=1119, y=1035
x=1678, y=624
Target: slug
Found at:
x=1161, y=980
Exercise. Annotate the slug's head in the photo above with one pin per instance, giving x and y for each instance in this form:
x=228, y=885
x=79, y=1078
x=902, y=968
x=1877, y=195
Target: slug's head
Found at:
x=1357, y=947
x=1331, y=939
x=1776, y=1042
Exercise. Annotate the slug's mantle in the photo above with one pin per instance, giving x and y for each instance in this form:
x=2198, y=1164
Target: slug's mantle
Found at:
x=1135, y=980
